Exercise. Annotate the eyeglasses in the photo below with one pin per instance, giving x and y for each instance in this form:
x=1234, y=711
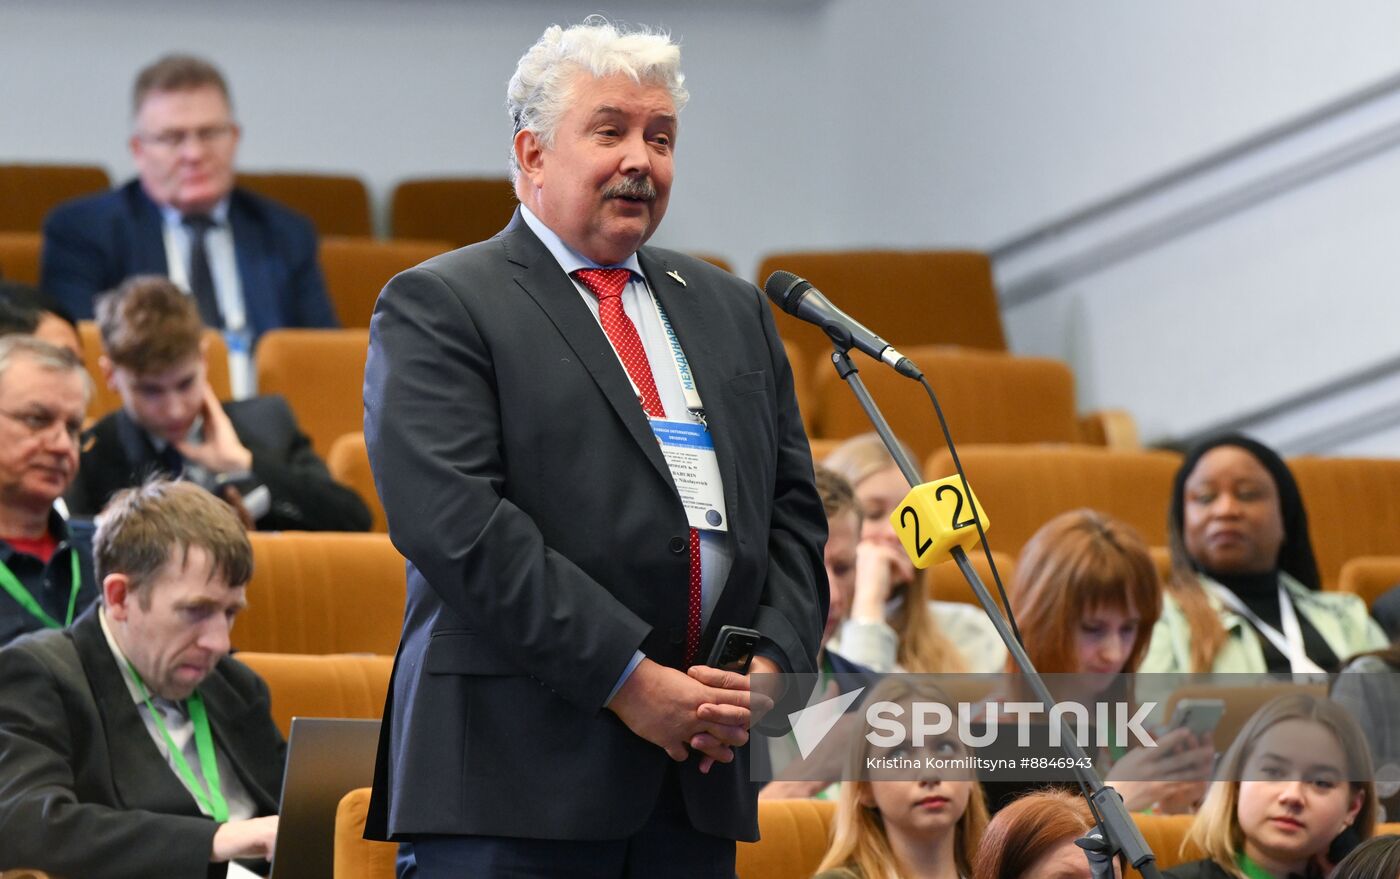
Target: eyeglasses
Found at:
x=174, y=138
x=39, y=423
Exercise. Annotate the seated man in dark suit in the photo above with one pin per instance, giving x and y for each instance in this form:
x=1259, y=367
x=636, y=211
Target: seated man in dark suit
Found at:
x=249, y=262
x=45, y=562
x=122, y=736
x=250, y=452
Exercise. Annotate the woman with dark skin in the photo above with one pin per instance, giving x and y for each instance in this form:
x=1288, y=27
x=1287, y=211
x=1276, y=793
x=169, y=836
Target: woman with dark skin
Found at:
x=1244, y=595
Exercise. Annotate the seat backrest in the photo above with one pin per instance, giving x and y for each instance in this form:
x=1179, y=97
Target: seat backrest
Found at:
x=337, y=204
x=322, y=686
x=355, y=856
x=947, y=583
x=1164, y=835
x=910, y=297
x=1023, y=487
x=323, y=592
x=357, y=269
x=321, y=373
x=462, y=210
x=105, y=400
x=29, y=192
x=349, y=465
x=793, y=837
x=1370, y=576
x=986, y=397
x=1352, y=509
x=801, y=383
x=19, y=256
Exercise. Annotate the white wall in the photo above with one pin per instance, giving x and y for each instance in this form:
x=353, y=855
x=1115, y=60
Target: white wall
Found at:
x=389, y=90
x=837, y=123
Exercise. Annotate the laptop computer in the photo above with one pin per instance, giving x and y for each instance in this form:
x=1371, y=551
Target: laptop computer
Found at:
x=326, y=759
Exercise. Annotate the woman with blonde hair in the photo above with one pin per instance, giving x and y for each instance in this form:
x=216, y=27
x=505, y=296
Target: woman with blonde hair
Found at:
x=906, y=823
x=1296, y=779
x=891, y=603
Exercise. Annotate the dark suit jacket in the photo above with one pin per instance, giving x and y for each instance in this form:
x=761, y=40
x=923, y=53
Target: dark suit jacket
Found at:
x=92, y=244
x=118, y=454
x=546, y=541
x=84, y=792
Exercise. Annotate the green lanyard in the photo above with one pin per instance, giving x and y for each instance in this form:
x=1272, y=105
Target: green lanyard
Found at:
x=213, y=804
x=11, y=584
x=1251, y=869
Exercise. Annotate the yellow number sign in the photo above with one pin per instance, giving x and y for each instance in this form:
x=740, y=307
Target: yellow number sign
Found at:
x=935, y=517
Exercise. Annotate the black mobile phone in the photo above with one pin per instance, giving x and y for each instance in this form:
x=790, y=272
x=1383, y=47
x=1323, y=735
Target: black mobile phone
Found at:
x=733, y=650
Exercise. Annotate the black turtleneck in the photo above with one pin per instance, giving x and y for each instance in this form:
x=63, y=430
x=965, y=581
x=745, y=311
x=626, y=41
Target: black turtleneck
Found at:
x=1259, y=592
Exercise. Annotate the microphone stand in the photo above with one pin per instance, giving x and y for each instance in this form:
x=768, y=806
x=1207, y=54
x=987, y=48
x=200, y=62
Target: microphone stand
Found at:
x=1115, y=831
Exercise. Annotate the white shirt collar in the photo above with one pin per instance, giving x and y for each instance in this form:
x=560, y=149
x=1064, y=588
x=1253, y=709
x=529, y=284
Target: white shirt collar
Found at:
x=172, y=217
x=570, y=260
x=120, y=657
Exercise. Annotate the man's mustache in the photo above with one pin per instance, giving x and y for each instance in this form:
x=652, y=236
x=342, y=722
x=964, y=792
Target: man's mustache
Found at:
x=632, y=187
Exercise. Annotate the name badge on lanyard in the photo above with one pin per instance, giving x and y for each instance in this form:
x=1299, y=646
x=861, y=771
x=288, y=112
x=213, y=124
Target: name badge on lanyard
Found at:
x=690, y=454
x=688, y=447
x=1289, y=642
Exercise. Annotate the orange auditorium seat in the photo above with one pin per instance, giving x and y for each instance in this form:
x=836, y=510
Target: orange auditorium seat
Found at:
x=462, y=210
x=321, y=373
x=1023, y=487
x=323, y=592
x=357, y=269
x=19, y=256
x=322, y=686
x=336, y=204
x=986, y=397
x=29, y=192
x=910, y=297
x=1370, y=576
x=349, y=465
x=1352, y=509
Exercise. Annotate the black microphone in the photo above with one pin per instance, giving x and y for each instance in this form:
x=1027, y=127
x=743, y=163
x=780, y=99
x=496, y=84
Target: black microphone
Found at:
x=803, y=301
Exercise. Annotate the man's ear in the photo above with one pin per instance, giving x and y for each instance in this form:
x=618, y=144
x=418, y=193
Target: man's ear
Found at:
x=117, y=596
x=529, y=155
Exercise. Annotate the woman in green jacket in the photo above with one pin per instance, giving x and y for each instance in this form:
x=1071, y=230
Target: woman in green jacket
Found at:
x=1244, y=595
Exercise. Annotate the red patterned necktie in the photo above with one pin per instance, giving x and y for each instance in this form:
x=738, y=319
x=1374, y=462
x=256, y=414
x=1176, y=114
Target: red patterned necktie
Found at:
x=607, y=285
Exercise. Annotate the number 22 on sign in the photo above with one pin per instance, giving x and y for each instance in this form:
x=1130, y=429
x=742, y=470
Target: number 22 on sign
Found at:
x=935, y=517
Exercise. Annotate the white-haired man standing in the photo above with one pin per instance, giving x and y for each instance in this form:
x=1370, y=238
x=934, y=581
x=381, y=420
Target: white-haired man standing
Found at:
x=590, y=453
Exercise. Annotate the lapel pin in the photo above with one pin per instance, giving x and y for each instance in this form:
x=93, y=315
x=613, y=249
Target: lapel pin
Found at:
x=677, y=275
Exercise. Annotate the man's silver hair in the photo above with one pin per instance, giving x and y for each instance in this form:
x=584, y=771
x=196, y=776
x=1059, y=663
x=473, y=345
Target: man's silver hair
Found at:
x=540, y=91
x=51, y=358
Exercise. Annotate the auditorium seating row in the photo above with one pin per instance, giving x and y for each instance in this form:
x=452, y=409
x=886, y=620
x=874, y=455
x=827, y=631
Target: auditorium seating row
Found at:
x=794, y=835
x=459, y=209
x=986, y=397
x=318, y=593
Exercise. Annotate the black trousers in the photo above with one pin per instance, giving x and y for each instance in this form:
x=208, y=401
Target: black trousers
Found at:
x=666, y=846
